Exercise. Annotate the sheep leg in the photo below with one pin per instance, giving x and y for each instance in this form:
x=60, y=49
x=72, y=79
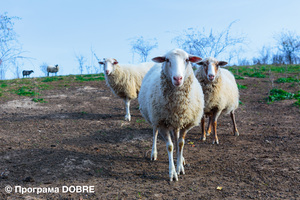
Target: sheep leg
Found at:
x=180, y=158
x=172, y=171
x=176, y=137
x=154, y=150
x=214, y=124
x=127, y=106
x=203, y=138
x=235, y=131
x=208, y=131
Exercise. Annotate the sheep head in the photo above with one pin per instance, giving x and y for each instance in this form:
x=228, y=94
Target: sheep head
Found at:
x=175, y=64
x=211, y=67
x=109, y=65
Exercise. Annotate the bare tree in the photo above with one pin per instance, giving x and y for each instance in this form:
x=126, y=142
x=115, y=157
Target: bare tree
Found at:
x=18, y=69
x=10, y=49
x=278, y=59
x=199, y=42
x=288, y=43
x=96, y=67
x=143, y=47
x=264, y=57
x=43, y=68
x=88, y=69
x=81, y=60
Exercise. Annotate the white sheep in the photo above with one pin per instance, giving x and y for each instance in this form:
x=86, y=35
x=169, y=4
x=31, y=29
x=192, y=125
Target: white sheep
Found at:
x=221, y=94
x=171, y=100
x=125, y=80
x=52, y=69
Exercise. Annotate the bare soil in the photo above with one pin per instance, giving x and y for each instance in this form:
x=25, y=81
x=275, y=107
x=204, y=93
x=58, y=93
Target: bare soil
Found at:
x=79, y=138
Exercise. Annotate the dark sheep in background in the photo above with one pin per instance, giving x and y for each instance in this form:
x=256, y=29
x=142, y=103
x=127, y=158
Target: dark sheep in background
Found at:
x=27, y=72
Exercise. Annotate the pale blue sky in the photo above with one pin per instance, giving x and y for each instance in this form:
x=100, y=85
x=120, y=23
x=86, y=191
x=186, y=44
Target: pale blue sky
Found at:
x=53, y=31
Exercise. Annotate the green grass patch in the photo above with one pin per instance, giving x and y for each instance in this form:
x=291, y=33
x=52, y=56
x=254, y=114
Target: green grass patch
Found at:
x=3, y=85
x=287, y=80
x=242, y=86
x=297, y=103
x=263, y=70
x=255, y=74
x=90, y=77
x=140, y=121
x=52, y=78
x=26, y=91
x=279, y=94
x=44, y=87
x=238, y=77
x=39, y=100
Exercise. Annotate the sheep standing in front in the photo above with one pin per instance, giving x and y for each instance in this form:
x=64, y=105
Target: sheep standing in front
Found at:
x=125, y=80
x=171, y=100
x=27, y=72
x=221, y=94
x=52, y=69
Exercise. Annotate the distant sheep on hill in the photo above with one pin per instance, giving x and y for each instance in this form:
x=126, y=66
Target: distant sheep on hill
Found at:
x=27, y=72
x=221, y=94
x=52, y=69
x=125, y=80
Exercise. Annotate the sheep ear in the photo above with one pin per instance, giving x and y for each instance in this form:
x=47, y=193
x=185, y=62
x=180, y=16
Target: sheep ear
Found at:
x=222, y=63
x=194, y=59
x=115, y=62
x=159, y=59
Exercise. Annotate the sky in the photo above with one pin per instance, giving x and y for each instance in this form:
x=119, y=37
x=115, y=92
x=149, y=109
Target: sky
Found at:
x=55, y=31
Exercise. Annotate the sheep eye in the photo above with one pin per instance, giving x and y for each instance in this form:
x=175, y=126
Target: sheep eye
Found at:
x=167, y=60
x=187, y=60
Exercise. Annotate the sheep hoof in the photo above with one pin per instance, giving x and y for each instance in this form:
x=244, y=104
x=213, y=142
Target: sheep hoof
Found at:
x=127, y=118
x=236, y=133
x=207, y=134
x=173, y=174
x=180, y=164
x=216, y=142
x=203, y=138
x=154, y=156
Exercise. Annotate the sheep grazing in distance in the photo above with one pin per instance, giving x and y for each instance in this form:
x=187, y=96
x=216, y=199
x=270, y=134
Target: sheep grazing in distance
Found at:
x=221, y=94
x=125, y=80
x=171, y=100
x=27, y=72
x=52, y=69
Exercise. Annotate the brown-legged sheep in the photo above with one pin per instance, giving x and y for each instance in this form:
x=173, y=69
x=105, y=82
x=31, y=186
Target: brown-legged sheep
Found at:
x=221, y=94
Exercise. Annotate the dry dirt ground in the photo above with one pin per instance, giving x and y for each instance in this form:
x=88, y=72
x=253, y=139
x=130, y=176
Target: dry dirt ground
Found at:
x=79, y=138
